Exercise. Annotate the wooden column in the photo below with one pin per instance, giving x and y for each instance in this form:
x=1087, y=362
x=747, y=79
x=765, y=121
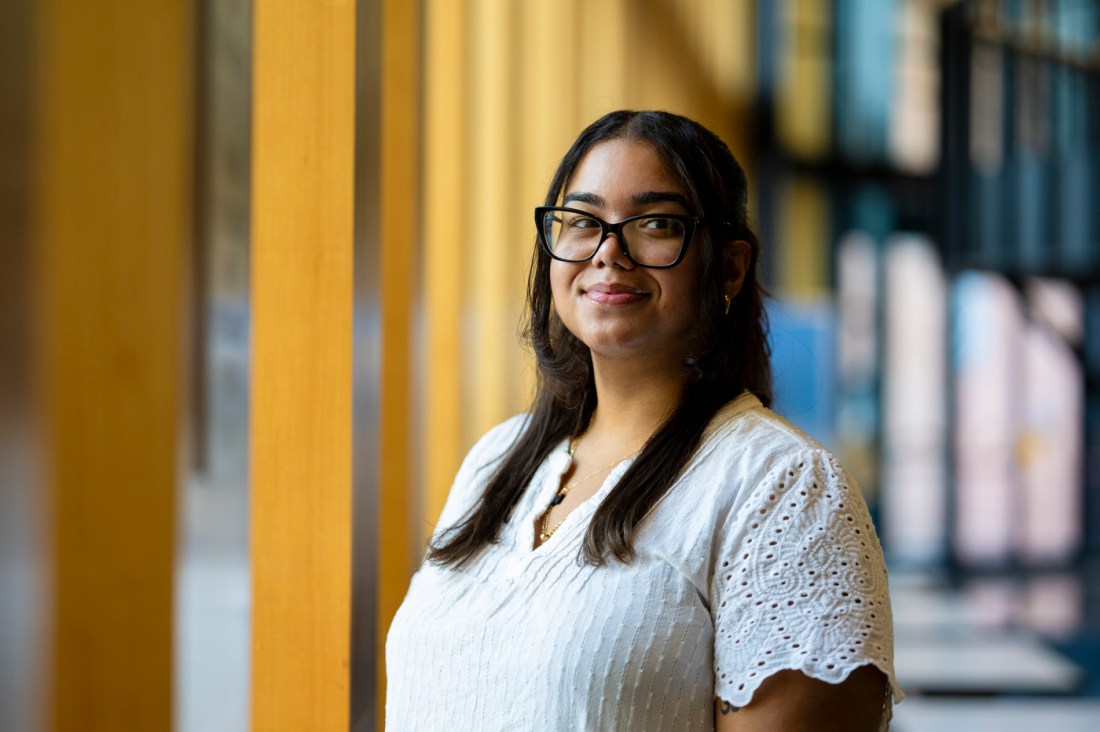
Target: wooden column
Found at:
x=399, y=184
x=302, y=224
x=489, y=249
x=445, y=207
x=112, y=223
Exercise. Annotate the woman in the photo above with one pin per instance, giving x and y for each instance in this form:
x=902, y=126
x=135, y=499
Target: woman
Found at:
x=650, y=548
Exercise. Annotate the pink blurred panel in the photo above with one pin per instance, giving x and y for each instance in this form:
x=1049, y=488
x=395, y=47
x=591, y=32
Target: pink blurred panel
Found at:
x=988, y=323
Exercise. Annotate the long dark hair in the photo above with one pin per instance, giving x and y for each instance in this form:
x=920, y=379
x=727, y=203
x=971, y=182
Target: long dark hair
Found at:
x=730, y=355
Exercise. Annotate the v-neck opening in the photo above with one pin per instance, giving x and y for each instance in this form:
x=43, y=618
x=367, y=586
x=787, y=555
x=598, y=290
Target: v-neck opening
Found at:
x=551, y=486
x=559, y=461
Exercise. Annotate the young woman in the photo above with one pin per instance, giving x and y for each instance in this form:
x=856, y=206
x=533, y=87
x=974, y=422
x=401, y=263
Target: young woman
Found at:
x=650, y=547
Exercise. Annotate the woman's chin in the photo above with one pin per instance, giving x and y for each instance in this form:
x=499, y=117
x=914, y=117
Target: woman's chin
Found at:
x=636, y=347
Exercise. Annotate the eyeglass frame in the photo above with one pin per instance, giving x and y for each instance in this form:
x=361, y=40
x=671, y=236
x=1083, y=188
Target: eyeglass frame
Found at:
x=607, y=228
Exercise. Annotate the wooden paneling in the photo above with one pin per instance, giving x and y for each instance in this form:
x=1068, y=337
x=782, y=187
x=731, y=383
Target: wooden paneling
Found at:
x=302, y=224
x=399, y=227
x=446, y=202
x=111, y=216
x=489, y=247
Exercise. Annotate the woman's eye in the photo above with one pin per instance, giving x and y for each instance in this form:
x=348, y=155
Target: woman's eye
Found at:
x=583, y=222
x=661, y=224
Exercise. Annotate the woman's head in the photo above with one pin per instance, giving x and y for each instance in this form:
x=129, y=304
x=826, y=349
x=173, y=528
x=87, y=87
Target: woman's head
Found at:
x=620, y=155
x=655, y=152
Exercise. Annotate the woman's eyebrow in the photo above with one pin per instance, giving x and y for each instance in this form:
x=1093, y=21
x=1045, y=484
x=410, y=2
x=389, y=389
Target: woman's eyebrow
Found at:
x=638, y=199
x=648, y=197
x=589, y=198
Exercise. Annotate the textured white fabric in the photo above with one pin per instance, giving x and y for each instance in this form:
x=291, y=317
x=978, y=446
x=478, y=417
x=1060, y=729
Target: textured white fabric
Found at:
x=760, y=558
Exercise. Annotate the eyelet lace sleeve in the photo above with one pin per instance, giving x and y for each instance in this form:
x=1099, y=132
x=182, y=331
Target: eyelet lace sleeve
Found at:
x=799, y=582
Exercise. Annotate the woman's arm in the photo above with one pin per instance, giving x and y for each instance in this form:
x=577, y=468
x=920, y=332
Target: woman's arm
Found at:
x=794, y=702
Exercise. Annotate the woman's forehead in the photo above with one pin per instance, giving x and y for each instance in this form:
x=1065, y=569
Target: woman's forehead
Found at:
x=625, y=168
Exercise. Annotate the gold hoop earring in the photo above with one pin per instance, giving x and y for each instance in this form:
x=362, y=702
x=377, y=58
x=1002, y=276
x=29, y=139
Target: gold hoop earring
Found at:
x=728, y=301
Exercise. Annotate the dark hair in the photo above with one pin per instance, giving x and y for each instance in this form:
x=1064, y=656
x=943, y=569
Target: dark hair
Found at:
x=730, y=356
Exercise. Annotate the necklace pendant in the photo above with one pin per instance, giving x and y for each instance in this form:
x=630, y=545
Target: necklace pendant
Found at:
x=557, y=499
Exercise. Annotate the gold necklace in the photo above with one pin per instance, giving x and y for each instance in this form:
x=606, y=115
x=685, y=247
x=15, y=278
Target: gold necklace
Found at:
x=547, y=532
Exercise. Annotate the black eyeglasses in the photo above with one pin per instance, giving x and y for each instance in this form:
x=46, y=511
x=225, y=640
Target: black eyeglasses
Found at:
x=650, y=240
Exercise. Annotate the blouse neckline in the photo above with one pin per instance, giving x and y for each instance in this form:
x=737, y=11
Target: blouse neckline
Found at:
x=557, y=464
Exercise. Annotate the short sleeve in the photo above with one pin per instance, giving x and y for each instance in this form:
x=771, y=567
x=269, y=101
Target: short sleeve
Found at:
x=799, y=582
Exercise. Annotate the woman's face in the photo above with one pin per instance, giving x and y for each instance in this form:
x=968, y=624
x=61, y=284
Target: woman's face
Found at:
x=616, y=308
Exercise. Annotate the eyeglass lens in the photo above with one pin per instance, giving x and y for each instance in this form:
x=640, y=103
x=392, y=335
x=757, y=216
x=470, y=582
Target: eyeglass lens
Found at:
x=650, y=240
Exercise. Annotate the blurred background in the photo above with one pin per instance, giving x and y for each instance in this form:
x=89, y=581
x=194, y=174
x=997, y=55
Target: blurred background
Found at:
x=263, y=269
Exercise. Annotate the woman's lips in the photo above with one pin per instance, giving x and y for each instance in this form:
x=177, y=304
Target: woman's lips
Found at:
x=610, y=293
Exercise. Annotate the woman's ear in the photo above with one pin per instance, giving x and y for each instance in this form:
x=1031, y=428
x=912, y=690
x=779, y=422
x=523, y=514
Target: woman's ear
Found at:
x=735, y=266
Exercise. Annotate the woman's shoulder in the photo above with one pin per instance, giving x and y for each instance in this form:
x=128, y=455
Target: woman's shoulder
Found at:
x=491, y=448
x=499, y=439
x=480, y=463
x=756, y=482
x=747, y=421
x=749, y=457
x=749, y=440
x=750, y=463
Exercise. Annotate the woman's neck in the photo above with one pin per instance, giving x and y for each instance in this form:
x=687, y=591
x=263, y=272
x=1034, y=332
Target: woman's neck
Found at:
x=633, y=400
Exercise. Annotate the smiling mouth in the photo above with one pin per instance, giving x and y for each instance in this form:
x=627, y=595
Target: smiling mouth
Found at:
x=614, y=294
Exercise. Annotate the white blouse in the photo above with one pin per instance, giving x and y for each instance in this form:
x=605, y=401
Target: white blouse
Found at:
x=760, y=558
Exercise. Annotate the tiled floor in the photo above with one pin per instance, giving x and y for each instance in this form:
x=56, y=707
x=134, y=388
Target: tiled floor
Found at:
x=997, y=715
x=979, y=656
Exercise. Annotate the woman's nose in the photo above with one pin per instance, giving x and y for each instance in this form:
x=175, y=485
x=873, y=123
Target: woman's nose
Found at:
x=610, y=253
